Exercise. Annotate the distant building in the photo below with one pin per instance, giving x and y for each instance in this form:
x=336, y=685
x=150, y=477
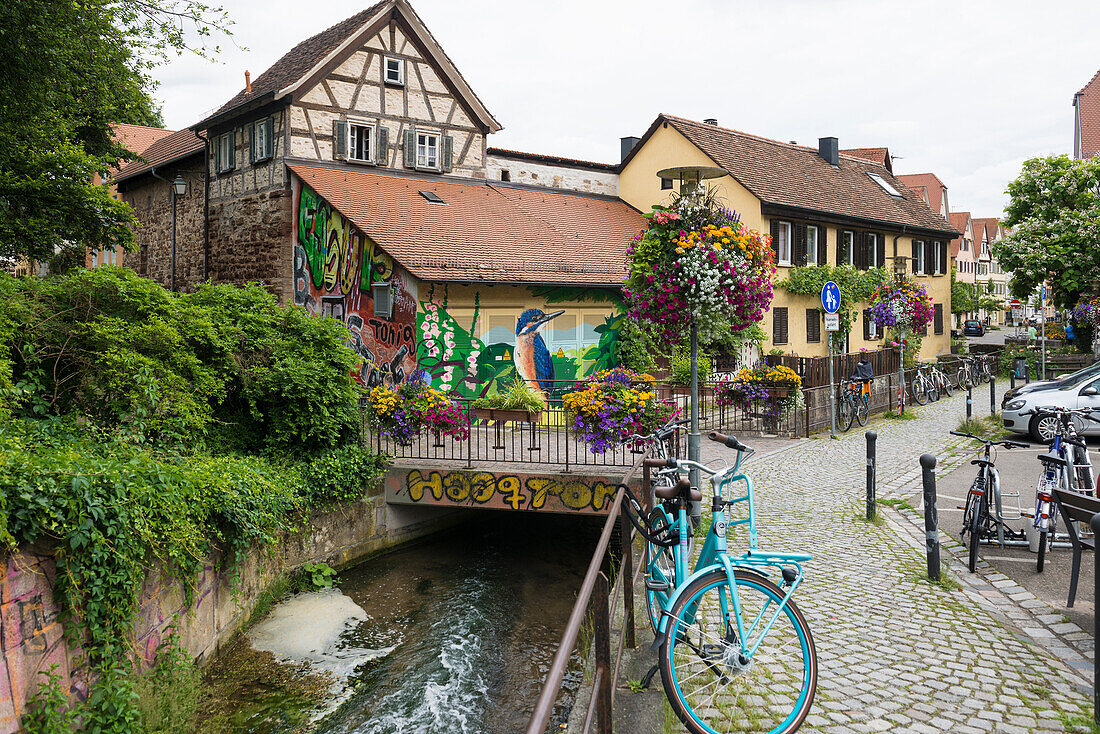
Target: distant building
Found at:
x=1086, y=119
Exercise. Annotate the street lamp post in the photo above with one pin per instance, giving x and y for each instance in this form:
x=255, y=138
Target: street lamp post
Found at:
x=179, y=188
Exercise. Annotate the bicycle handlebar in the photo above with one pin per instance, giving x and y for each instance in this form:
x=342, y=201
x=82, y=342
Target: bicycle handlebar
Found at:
x=1006, y=443
x=729, y=441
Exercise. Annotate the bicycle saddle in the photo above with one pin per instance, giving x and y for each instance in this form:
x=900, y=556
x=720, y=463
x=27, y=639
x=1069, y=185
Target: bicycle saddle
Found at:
x=682, y=488
x=1052, y=459
x=981, y=462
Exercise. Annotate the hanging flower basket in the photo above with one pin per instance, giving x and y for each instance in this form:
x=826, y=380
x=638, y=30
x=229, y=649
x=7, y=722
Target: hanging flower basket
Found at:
x=613, y=405
x=402, y=411
x=696, y=262
x=903, y=307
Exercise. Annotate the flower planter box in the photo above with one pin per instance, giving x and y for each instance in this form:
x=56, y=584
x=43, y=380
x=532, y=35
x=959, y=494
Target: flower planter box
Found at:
x=503, y=416
x=778, y=392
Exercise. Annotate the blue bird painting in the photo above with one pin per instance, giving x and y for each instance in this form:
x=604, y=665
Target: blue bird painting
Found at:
x=533, y=361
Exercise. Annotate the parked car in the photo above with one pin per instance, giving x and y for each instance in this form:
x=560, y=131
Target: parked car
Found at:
x=1073, y=378
x=973, y=327
x=1035, y=319
x=1082, y=394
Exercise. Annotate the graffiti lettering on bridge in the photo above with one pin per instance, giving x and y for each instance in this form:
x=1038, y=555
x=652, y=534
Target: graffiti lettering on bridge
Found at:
x=484, y=489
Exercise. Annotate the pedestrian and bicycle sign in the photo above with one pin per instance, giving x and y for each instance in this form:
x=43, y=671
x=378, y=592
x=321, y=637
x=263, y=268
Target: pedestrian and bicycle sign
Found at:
x=830, y=299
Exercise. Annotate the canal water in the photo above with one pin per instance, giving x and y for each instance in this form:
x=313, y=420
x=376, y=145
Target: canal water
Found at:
x=454, y=634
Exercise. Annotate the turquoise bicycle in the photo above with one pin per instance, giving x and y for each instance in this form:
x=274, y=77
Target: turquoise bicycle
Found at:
x=735, y=652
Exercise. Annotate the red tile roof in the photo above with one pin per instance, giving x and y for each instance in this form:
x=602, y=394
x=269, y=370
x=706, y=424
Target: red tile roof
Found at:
x=483, y=231
x=795, y=176
x=169, y=148
x=932, y=185
x=1087, y=102
x=987, y=226
x=880, y=156
x=137, y=138
x=958, y=221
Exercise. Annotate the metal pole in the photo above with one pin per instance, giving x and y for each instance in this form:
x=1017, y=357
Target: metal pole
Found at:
x=871, y=438
x=601, y=625
x=931, y=531
x=1095, y=523
x=832, y=395
x=172, y=274
x=1012, y=378
x=901, y=374
x=627, y=571
x=1043, y=305
x=694, y=439
x=993, y=396
x=969, y=402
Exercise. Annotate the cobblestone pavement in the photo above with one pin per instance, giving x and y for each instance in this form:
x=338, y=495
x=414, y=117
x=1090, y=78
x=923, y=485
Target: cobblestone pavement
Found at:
x=896, y=652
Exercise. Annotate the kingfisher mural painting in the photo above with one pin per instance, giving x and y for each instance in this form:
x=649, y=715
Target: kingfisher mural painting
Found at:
x=472, y=340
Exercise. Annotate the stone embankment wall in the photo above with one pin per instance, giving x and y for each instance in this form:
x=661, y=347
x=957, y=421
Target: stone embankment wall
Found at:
x=32, y=637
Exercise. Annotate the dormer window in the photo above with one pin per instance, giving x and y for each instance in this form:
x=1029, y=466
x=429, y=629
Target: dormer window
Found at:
x=395, y=71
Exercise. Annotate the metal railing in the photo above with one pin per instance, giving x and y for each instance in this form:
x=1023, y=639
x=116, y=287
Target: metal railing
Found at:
x=596, y=598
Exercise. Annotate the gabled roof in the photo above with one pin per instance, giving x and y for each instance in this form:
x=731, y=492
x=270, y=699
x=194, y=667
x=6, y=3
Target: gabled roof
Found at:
x=988, y=227
x=166, y=150
x=795, y=176
x=137, y=138
x=552, y=160
x=931, y=184
x=880, y=156
x=959, y=221
x=303, y=66
x=1087, y=102
x=483, y=231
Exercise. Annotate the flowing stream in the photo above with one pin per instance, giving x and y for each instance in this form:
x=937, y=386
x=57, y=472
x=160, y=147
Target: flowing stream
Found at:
x=453, y=635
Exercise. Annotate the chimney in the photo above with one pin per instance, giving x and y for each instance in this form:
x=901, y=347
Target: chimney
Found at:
x=626, y=145
x=247, y=82
x=829, y=149
x=710, y=120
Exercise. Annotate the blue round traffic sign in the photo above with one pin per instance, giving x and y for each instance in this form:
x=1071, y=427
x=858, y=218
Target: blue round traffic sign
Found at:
x=830, y=297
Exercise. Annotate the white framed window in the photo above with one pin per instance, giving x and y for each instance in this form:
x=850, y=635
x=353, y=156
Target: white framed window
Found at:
x=395, y=70
x=427, y=150
x=918, y=250
x=884, y=185
x=847, y=248
x=811, y=246
x=937, y=248
x=360, y=142
x=226, y=160
x=783, y=243
x=261, y=144
x=872, y=251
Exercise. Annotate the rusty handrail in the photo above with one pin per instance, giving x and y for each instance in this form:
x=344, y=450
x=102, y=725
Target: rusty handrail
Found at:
x=544, y=706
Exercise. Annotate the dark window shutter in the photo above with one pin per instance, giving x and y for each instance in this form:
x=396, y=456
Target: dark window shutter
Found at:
x=217, y=150
x=775, y=239
x=779, y=325
x=448, y=152
x=813, y=325
x=840, y=247
x=339, y=140
x=798, y=244
x=382, y=145
x=916, y=257
x=822, y=246
x=232, y=150
x=937, y=318
x=880, y=260
x=410, y=148
x=944, y=256
x=252, y=153
x=859, y=247
x=269, y=150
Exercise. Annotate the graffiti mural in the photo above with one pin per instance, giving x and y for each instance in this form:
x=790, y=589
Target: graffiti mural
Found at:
x=335, y=266
x=478, y=351
x=528, y=492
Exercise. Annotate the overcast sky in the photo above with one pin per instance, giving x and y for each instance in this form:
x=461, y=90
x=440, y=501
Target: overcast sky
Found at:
x=966, y=89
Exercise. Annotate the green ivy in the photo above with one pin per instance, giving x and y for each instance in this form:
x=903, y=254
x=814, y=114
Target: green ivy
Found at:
x=636, y=346
x=856, y=287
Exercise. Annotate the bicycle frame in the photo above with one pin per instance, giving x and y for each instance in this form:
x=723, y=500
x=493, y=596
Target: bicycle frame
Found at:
x=713, y=556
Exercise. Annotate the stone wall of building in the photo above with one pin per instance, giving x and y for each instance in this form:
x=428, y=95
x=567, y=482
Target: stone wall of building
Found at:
x=250, y=240
x=32, y=636
x=535, y=173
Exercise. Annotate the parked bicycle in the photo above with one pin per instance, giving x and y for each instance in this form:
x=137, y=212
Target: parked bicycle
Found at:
x=853, y=403
x=983, y=514
x=921, y=387
x=1067, y=466
x=735, y=651
x=940, y=380
x=972, y=371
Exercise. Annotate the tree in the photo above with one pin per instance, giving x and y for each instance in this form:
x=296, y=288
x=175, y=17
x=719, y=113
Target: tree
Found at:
x=1054, y=216
x=72, y=70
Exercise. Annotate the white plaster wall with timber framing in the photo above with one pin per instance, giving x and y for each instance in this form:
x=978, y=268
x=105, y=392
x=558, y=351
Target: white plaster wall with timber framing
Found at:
x=358, y=91
x=254, y=162
x=556, y=176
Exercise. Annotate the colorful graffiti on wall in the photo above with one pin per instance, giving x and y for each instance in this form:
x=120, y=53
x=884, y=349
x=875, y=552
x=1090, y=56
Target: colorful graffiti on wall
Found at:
x=482, y=489
x=460, y=361
x=335, y=265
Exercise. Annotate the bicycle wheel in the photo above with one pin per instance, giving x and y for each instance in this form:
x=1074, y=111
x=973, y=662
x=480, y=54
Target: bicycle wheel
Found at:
x=707, y=683
x=660, y=569
x=919, y=391
x=844, y=414
x=945, y=385
x=974, y=527
x=962, y=378
x=863, y=412
x=933, y=389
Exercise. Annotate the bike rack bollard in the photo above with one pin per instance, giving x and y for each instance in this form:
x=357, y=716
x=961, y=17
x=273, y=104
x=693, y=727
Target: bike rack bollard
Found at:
x=969, y=402
x=872, y=437
x=1095, y=524
x=993, y=396
x=931, y=530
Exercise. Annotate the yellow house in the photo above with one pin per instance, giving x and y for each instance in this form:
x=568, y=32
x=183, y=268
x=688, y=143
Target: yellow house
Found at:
x=819, y=205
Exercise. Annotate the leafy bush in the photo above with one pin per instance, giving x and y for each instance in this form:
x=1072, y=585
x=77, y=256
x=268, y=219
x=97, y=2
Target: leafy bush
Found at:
x=224, y=366
x=519, y=396
x=341, y=474
x=681, y=366
x=636, y=346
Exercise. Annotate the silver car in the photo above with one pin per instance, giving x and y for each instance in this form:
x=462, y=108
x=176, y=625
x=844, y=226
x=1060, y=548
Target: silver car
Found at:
x=1073, y=378
x=1084, y=393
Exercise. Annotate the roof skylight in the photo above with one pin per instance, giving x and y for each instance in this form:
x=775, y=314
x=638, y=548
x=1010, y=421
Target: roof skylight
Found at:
x=432, y=197
x=883, y=184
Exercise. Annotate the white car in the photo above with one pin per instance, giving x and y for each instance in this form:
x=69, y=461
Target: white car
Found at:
x=1081, y=394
